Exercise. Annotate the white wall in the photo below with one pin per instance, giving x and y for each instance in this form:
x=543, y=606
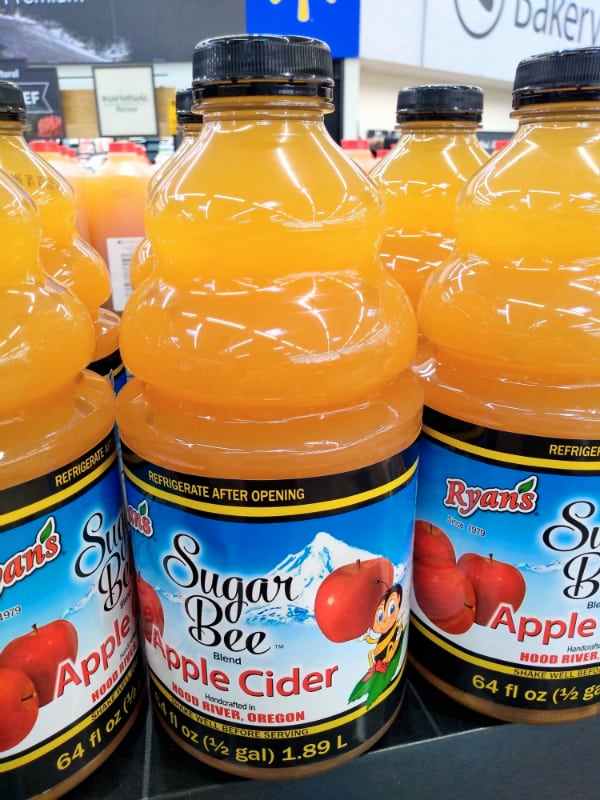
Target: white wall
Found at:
x=378, y=91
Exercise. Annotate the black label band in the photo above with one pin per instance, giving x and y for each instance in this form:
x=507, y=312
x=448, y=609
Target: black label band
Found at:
x=273, y=747
x=530, y=687
x=490, y=444
x=47, y=765
x=27, y=499
x=290, y=498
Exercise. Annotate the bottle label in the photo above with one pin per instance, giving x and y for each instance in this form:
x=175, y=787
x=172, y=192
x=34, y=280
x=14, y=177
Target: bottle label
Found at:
x=112, y=368
x=274, y=612
x=70, y=670
x=118, y=255
x=510, y=612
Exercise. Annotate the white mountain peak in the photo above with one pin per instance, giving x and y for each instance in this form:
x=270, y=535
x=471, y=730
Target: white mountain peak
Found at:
x=308, y=567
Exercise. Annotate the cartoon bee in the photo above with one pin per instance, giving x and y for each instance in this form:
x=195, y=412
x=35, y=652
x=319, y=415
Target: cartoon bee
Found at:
x=388, y=624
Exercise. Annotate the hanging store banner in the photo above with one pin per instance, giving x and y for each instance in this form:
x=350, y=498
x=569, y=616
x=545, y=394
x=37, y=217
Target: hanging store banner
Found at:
x=108, y=31
x=336, y=22
x=41, y=94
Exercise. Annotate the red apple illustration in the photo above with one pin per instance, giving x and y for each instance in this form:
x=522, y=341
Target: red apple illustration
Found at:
x=432, y=544
x=494, y=582
x=150, y=608
x=348, y=597
x=39, y=654
x=19, y=705
x=445, y=595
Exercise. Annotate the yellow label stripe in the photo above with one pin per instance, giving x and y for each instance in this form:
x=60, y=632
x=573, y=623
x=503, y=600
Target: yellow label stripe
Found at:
x=312, y=729
x=58, y=497
x=70, y=732
x=525, y=461
x=493, y=665
x=272, y=511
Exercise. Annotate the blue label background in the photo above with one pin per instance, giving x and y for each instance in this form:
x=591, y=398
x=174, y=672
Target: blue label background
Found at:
x=512, y=537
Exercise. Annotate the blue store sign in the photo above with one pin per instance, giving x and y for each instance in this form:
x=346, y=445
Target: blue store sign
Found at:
x=334, y=21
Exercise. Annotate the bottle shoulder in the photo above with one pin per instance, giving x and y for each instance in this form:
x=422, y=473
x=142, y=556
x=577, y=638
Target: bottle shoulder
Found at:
x=444, y=162
x=46, y=337
x=301, y=338
x=268, y=443
x=307, y=173
x=35, y=174
x=46, y=435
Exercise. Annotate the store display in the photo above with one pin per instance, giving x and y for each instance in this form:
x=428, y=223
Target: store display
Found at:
x=269, y=434
x=116, y=198
x=507, y=621
x=70, y=672
x=364, y=378
x=65, y=256
x=359, y=151
x=421, y=177
x=189, y=126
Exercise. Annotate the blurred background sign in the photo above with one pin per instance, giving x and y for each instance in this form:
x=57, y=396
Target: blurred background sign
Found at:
x=334, y=21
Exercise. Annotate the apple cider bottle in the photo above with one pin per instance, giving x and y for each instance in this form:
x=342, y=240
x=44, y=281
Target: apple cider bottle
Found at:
x=65, y=256
x=70, y=675
x=269, y=436
x=506, y=613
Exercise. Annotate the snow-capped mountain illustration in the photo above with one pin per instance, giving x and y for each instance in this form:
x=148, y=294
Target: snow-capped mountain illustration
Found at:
x=554, y=566
x=308, y=568
x=81, y=603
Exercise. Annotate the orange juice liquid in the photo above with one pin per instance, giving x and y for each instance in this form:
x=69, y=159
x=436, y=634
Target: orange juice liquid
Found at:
x=471, y=312
x=116, y=197
x=54, y=415
x=271, y=355
x=420, y=180
x=142, y=262
x=512, y=385
x=277, y=379
x=143, y=259
x=66, y=257
x=69, y=168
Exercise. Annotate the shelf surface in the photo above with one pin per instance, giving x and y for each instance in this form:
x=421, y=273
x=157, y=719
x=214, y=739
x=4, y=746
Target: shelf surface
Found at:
x=436, y=749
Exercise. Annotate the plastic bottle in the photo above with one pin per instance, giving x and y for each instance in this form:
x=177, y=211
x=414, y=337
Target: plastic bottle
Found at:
x=190, y=126
x=116, y=197
x=273, y=399
x=437, y=151
x=69, y=652
x=65, y=256
x=359, y=151
x=60, y=157
x=510, y=456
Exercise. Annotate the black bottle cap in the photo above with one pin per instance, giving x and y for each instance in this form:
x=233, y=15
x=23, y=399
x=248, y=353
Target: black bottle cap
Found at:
x=439, y=102
x=262, y=65
x=184, y=102
x=560, y=76
x=12, y=103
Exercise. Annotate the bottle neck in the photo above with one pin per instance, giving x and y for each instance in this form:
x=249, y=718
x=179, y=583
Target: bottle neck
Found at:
x=223, y=109
x=557, y=113
x=12, y=138
x=11, y=128
x=439, y=127
x=190, y=128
